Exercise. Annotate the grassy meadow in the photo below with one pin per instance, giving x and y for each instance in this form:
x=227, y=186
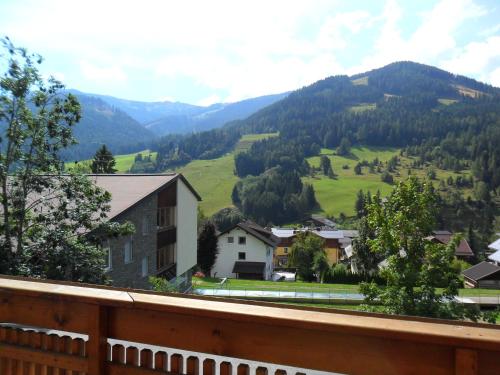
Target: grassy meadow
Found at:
x=339, y=194
x=123, y=162
x=214, y=179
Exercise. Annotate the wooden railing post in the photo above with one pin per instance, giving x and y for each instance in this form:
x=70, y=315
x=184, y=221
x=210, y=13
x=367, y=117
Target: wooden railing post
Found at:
x=97, y=344
x=466, y=362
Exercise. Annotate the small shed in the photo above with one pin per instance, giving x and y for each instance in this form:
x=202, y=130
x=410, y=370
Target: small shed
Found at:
x=482, y=275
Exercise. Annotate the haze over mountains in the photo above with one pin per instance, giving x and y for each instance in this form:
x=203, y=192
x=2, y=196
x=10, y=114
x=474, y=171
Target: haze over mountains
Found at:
x=128, y=126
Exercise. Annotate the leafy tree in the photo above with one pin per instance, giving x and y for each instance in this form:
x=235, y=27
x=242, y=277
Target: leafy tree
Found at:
x=226, y=218
x=320, y=265
x=302, y=255
x=103, y=161
x=207, y=247
x=415, y=266
x=365, y=259
x=52, y=223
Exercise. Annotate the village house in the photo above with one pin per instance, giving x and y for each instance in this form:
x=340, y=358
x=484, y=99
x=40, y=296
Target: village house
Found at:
x=163, y=209
x=287, y=236
x=245, y=252
x=482, y=275
x=463, y=250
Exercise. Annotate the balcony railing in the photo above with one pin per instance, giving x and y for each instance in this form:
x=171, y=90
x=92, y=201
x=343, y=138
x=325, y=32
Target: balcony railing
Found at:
x=59, y=328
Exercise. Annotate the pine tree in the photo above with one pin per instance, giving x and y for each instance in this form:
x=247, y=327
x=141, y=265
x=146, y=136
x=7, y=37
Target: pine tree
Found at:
x=103, y=161
x=359, y=205
x=207, y=247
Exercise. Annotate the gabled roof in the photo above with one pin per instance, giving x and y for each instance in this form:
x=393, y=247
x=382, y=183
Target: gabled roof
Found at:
x=495, y=245
x=481, y=271
x=444, y=237
x=255, y=230
x=128, y=190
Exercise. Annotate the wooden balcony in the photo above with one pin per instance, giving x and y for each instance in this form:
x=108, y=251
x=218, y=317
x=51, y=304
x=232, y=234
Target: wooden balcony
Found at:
x=102, y=330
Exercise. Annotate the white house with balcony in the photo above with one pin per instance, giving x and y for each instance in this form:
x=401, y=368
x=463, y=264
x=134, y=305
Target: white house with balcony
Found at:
x=245, y=251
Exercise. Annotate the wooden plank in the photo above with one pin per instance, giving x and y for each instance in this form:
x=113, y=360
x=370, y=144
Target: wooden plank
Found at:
x=466, y=362
x=57, y=360
x=161, y=361
x=342, y=352
x=97, y=346
x=52, y=313
x=121, y=369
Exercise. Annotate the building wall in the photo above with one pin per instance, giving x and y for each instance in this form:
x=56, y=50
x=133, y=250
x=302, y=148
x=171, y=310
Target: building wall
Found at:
x=187, y=228
x=332, y=249
x=144, y=245
x=255, y=249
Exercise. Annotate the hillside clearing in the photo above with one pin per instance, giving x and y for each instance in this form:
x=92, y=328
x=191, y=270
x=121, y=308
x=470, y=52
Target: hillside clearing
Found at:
x=123, y=162
x=338, y=195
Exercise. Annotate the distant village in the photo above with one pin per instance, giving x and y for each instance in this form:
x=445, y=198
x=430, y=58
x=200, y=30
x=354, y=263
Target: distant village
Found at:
x=163, y=209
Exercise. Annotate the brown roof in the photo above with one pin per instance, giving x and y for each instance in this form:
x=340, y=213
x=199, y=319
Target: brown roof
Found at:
x=127, y=190
x=443, y=236
x=481, y=271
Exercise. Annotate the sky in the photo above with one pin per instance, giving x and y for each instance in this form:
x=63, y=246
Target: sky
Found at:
x=202, y=52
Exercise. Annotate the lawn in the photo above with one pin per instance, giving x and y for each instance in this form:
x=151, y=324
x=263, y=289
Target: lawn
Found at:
x=339, y=194
x=211, y=283
x=214, y=283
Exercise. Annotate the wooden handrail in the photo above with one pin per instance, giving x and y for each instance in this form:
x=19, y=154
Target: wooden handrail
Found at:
x=345, y=342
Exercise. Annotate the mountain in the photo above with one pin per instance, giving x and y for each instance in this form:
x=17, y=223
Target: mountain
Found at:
x=145, y=112
x=212, y=117
x=102, y=123
x=436, y=119
x=180, y=118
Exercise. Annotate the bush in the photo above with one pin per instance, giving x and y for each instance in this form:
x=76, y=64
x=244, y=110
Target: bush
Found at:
x=387, y=178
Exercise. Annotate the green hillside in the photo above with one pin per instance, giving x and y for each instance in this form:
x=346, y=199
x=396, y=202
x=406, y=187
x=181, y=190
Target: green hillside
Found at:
x=339, y=194
x=214, y=179
x=123, y=162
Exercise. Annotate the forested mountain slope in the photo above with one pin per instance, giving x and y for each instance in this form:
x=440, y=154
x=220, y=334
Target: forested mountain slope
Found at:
x=104, y=124
x=450, y=121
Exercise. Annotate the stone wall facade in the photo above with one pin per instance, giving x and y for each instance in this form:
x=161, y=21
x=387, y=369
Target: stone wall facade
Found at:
x=130, y=274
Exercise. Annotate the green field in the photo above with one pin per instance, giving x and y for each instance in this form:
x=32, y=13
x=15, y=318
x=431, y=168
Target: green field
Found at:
x=214, y=179
x=123, y=162
x=339, y=194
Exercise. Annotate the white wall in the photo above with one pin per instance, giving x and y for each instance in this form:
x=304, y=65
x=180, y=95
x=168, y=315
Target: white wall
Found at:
x=255, y=249
x=187, y=232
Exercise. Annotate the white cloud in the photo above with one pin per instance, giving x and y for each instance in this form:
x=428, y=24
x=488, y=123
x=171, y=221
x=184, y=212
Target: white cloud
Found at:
x=475, y=59
x=101, y=73
x=432, y=39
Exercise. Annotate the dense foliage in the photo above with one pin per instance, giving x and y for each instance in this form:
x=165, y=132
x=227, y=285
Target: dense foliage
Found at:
x=103, y=161
x=415, y=267
x=52, y=223
x=207, y=247
x=274, y=197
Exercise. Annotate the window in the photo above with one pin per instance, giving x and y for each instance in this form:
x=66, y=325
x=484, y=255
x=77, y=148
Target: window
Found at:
x=242, y=240
x=144, y=267
x=230, y=240
x=165, y=217
x=242, y=256
x=145, y=225
x=268, y=252
x=107, y=251
x=286, y=250
x=165, y=256
x=129, y=250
